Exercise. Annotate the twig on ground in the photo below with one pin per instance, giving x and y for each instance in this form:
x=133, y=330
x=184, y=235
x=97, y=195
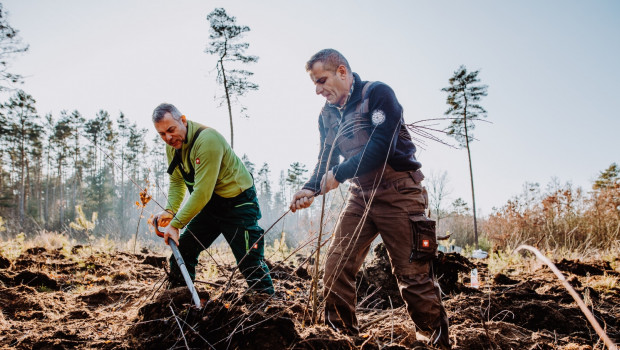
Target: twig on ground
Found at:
x=179, y=324
x=379, y=319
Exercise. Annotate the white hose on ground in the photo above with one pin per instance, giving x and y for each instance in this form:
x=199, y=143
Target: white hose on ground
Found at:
x=601, y=333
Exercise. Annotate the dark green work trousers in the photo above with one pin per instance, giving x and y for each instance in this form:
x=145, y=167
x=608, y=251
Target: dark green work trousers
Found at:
x=237, y=219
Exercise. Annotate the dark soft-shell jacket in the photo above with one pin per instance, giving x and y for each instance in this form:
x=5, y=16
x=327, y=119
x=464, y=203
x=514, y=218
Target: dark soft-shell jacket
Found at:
x=388, y=137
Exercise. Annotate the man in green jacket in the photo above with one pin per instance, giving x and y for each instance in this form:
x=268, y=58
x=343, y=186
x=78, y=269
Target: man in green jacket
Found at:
x=222, y=198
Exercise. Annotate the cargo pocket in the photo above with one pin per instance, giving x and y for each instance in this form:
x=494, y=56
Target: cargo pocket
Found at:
x=407, y=186
x=424, y=245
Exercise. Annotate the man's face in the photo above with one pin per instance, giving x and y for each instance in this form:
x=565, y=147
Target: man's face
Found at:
x=172, y=131
x=331, y=85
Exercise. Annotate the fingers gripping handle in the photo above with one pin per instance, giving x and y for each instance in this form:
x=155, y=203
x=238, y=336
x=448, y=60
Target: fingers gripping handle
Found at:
x=181, y=264
x=157, y=231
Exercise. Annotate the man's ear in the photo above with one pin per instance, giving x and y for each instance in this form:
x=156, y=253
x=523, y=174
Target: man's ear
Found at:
x=184, y=120
x=341, y=71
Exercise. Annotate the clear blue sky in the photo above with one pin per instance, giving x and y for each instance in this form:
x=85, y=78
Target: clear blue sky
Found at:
x=551, y=67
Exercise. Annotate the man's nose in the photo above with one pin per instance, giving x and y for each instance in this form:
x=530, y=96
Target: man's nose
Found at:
x=319, y=89
x=168, y=137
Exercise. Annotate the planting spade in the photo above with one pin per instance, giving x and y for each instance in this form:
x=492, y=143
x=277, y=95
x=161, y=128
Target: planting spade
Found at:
x=181, y=264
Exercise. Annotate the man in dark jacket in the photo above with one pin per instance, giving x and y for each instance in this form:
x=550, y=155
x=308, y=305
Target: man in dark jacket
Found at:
x=362, y=122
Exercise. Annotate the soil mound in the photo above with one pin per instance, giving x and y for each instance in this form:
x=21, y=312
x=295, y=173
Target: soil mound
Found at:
x=236, y=322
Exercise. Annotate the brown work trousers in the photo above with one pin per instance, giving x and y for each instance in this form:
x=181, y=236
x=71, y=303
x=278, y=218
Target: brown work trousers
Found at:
x=385, y=202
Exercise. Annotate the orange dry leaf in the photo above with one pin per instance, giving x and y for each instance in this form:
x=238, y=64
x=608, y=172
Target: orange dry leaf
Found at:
x=227, y=305
x=144, y=196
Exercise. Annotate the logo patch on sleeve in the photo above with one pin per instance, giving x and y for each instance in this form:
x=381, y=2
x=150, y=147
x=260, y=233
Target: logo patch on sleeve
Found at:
x=378, y=117
x=197, y=160
x=426, y=243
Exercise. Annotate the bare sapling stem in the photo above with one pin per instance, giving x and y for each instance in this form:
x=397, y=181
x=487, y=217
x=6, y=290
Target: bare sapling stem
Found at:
x=315, y=275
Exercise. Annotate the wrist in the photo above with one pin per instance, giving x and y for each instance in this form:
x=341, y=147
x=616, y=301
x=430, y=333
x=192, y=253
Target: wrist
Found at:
x=176, y=224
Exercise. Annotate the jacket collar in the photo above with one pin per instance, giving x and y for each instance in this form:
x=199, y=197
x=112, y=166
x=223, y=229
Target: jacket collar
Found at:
x=357, y=90
x=191, y=129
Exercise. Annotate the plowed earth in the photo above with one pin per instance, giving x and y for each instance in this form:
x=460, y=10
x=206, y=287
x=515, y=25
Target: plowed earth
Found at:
x=116, y=301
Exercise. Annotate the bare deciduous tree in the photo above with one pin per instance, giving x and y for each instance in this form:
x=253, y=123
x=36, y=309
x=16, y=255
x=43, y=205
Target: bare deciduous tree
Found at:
x=438, y=191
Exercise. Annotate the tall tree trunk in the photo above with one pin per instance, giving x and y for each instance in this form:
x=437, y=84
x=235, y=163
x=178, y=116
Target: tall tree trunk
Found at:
x=122, y=199
x=22, y=183
x=47, y=192
x=471, y=175
x=61, y=213
x=228, y=102
x=39, y=194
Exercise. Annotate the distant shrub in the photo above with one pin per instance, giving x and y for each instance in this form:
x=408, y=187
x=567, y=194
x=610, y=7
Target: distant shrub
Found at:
x=562, y=218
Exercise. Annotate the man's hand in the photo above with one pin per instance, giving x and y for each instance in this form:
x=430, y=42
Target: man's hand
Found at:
x=302, y=199
x=329, y=182
x=163, y=218
x=171, y=232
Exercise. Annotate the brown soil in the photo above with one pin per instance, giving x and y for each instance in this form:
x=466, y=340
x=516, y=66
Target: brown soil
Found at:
x=116, y=301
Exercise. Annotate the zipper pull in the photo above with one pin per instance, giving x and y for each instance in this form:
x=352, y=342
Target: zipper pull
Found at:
x=411, y=256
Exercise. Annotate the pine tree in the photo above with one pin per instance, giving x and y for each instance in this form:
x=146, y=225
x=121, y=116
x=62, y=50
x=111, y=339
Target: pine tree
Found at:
x=464, y=94
x=263, y=188
x=158, y=161
x=76, y=122
x=608, y=178
x=225, y=43
x=48, y=147
x=23, y=131
x=296, y=176
x=62, y=135
x=99, y=192
x=248, y=164
x=10, y=46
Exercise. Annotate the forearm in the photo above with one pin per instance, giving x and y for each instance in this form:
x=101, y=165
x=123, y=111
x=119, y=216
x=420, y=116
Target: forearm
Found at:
x=196, y=201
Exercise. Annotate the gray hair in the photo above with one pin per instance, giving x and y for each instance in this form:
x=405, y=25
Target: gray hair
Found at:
x=162, y=109
x=331, y=60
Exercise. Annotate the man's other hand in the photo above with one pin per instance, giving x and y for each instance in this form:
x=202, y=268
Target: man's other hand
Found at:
x=302, y=199
x=329, y=182
x=171, y=232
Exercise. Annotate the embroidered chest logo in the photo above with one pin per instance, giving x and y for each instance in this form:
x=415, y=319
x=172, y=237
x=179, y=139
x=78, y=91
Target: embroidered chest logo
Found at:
x=378, y=117
x=197, y=160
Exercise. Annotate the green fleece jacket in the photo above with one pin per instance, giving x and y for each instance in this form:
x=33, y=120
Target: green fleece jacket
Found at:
x=217, y=170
